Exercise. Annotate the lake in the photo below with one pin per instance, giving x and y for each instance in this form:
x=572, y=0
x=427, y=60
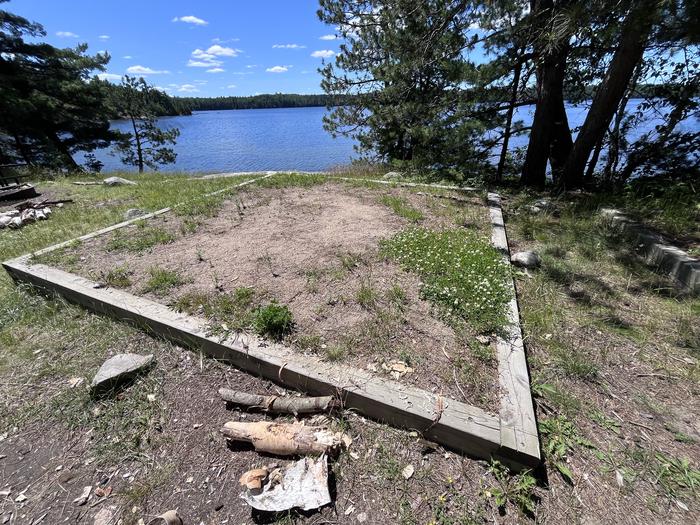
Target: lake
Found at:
x=282, y=139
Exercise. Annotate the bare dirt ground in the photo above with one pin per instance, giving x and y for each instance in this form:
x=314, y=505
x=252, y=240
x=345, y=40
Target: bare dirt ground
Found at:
x=315, y=249
x=614, y=359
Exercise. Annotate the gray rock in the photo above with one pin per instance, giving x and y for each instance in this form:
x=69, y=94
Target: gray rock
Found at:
x=118, y=181
x=542, y=205
x=118, y=369
x=526, y=259
x=133, y=213
x=393, y=175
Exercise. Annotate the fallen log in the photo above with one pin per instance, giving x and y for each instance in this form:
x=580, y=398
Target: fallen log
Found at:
x=280, y=405
x=285, y=439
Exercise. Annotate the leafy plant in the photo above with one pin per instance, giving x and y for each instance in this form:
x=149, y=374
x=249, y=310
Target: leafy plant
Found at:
x=273, y=320
x=560, y=438
x=517, y=489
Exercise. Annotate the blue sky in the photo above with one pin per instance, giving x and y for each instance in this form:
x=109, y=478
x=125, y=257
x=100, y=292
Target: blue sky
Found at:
x=206, y=48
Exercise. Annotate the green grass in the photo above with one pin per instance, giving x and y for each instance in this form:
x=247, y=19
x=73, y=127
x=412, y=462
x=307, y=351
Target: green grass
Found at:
x=233, y=310
x=401, y=208
x=462, y=273
x=273, y=320
x=366, y=295
x=162, y=280
x=139, y=239
x=118, y=277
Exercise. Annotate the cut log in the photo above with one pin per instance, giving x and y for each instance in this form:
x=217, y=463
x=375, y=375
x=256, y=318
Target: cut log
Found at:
x=280, y=405
x=285, y=439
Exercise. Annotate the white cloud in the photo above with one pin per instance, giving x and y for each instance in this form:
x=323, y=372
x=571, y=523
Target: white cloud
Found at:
x=143, y=70
x=218, y=40
x=288, y=46
x=251, y=66
x=189, y=19
x=216, y=70
x=221, y=51
x=188, y=88
x=109, y=76
x=231, y=86
x=323, y=53
x=211, y=57
x=66, y=34
x=204, y=63
x=103, y=37
x=127, y=57
x=277, y=69
x=328, y=37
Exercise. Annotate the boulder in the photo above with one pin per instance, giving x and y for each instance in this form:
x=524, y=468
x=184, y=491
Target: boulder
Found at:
x=133, y=213
x=393, y=175
x=526, y=259
x=118, y=181
x=117, y=370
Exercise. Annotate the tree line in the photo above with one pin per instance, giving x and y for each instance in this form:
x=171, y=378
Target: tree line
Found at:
x=435, y=84
x=276, y=100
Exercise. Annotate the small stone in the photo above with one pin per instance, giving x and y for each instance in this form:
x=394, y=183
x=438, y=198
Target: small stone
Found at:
x=526, y=259
x=21, y=498
x=362, y=517
x=117, y=181
x=133, y=213
x=393, y=175
x=105, y=516
x=5, y=492
x=408, y=471
x=151, y=398
x=118, y=369
x=483, y=339
x=84, y=496
x=75, y=381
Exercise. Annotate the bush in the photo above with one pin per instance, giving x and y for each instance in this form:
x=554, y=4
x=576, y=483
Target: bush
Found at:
x=274, y=320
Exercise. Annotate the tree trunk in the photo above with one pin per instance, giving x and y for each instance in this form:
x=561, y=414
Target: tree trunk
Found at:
x=61, y=147
x=550, y=137
x=139, y=149
x=23, y=150
x=633, y=39
x=509, y=118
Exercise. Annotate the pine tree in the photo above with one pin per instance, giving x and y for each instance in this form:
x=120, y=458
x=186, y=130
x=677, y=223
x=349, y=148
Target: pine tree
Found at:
x=48, y=106
x=147, y=145
x=404, y=64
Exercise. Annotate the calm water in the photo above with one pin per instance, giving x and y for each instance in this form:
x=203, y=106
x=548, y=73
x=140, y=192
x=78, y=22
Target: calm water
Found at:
x=249, y=140
x=284, y=139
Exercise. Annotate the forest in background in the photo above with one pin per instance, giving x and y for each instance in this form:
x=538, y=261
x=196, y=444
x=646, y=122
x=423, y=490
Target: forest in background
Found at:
x=431, y=87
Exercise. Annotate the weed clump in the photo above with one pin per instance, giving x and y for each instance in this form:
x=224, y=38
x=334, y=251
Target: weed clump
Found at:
x=462, y=273
x=274, y=320
x=162, y=280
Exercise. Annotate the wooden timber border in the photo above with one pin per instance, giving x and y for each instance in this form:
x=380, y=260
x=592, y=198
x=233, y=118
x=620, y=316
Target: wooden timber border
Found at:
x=658, y=252
x=510, y=437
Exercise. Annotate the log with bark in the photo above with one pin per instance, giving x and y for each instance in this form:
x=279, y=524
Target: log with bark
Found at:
x=286, y=439
x=280, y=405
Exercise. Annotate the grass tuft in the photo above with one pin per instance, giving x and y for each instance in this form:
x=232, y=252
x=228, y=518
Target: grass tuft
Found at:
x=161, y=280
x=274, y=320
